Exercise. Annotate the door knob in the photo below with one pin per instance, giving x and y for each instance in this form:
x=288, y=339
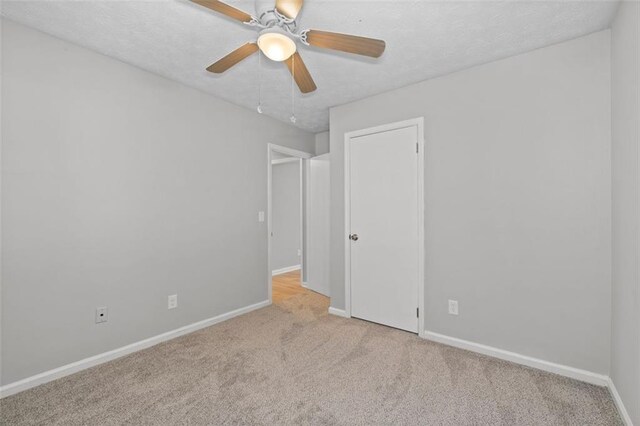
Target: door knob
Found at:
x=353, y=237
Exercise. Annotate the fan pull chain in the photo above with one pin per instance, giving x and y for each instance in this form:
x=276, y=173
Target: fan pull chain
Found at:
x=293, y=73
x=259, y=109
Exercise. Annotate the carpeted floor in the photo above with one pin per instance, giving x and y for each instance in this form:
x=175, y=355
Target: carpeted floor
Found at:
x=294, y=364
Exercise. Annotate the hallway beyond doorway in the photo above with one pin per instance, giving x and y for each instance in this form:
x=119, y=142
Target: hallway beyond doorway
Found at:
x=288, y=285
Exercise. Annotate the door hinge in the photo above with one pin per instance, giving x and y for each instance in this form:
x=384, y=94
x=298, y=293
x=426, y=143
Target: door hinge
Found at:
x=417, y=147
x=417, y=312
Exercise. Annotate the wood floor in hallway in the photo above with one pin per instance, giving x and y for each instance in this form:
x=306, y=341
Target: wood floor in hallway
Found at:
x=287, y=285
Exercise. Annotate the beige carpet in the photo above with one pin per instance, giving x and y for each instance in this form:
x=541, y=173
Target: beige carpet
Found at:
x=293, y=364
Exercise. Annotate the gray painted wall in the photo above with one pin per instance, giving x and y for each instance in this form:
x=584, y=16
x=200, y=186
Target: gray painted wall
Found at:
x=625, y=96
x=285, y=210
x=322, y=143
x=120, y=188
x=1, y=133
x=518, y=199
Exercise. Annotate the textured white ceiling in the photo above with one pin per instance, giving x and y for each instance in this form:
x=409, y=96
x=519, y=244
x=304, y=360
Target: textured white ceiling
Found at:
x=178, y=39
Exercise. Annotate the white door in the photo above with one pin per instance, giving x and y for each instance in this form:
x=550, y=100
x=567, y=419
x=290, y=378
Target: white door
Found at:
x=318, y=228
x=384, y=253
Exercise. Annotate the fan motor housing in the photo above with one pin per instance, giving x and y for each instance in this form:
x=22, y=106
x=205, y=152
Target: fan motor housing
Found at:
x=264, y=8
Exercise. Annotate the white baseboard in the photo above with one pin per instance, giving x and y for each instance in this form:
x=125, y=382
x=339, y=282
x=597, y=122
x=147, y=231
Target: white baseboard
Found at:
x=626, y=418
x=563, y=370
x=338, y=312
x=285, y=270
x=74, y=367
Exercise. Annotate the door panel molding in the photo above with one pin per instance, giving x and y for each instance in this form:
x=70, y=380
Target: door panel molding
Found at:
x=418, y=123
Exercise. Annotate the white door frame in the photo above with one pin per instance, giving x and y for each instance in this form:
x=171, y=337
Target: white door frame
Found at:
x=304, y=157
x=418, y=123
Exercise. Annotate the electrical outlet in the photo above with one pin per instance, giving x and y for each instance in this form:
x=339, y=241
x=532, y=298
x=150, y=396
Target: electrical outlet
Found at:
x=260, y=216
x=102, y=314
x=299, y=252
x=453, y=307
x=172, y=301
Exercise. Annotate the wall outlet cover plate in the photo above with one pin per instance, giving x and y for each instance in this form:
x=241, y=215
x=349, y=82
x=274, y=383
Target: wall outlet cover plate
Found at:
x=172, y=301
x=453, y=307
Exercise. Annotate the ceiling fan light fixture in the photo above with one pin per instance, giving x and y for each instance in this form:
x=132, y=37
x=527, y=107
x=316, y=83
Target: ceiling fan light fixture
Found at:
x=278, y=37
x=276, y=44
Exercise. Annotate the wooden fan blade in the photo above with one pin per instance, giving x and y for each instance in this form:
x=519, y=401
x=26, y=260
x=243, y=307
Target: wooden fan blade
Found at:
x=300, y=73
x=225, y=9
x=233, y=58
x=289, y=8
x=346, y=43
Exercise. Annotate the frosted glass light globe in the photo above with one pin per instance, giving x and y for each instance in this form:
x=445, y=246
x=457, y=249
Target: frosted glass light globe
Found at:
x=276, y=45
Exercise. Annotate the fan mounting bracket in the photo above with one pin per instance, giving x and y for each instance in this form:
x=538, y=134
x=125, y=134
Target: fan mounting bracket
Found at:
x=272, y=18
x=302, y=36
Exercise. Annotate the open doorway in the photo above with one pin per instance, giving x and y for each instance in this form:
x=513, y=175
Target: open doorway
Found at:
x=287, y=233
x=287, y=239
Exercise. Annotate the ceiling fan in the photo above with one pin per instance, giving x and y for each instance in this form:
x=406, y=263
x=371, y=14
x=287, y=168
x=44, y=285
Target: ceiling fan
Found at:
x=278, y=33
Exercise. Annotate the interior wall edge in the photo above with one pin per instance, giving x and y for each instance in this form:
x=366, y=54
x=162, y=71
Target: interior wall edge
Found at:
x=622, y=409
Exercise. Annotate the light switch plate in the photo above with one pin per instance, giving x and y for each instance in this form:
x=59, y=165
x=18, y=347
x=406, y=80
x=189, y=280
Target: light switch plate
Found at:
x=260, y=216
